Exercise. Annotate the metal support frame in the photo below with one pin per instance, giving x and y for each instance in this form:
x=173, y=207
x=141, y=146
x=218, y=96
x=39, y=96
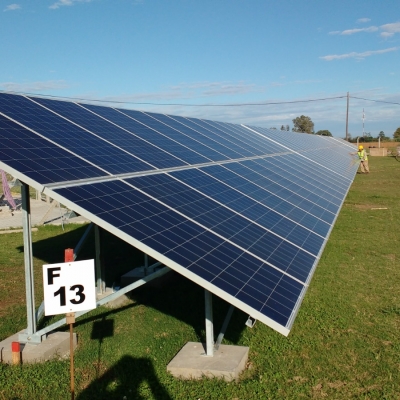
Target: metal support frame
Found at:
x=146, y=264
x=82, y=240
x=37, y=337
x=100, y=283
x=224, y=326
x=28, y=261
x=209, y=324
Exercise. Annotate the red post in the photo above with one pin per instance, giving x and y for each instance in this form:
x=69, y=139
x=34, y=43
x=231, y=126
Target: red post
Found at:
x=69, y=255
x=16, y=353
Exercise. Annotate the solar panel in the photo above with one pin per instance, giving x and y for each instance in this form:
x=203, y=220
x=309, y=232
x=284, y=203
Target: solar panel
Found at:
x=70, y=136
x=39, y=159
x=243, y=211
x=118, y=136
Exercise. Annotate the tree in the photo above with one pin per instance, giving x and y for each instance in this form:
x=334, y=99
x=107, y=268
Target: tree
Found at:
x=396, y=135
x=283, y=128
x=381, y=135
x=287, y=128
x=303, y=124
x=324, y=132
x=368, y=137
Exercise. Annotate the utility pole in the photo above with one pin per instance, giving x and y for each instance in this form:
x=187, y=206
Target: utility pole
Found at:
x=347, y=118
x=363, y=125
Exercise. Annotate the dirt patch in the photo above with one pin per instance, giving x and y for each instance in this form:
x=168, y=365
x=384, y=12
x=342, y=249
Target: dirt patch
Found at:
x=391, y=257
x=367, y=207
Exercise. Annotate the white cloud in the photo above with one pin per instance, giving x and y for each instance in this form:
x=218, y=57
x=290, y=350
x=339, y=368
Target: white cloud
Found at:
x=386, y=34
x=363, y=20
x=390, y=29
x=12, y=7
x=210, y=89
x=62, y=3
x=358, y=55
x=37, y=87
x=292, y=83
x=357, y=30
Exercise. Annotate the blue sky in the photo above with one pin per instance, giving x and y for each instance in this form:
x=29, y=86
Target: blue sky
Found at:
x=189, y=57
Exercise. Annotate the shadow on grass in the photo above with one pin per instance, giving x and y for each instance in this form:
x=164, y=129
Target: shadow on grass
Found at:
x=124, y=379
x=184, y=300
x=85, y=319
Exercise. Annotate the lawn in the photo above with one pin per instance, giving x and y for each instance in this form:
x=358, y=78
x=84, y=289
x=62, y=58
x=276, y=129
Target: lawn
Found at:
x=344, y=343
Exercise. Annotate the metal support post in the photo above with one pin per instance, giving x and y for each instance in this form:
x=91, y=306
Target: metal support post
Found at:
x=209, y=324
x=224, y=326
x=146, y=264
x=99, y=269
x=82, y=240
x=39, y=334
x=28, y=260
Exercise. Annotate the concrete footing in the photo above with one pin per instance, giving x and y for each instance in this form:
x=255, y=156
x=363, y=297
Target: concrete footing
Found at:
x=192, y=363
x=56, y=345
x=116, y=303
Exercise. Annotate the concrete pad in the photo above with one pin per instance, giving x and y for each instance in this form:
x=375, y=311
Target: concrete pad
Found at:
x=192, y=363
x=116, y=303
x=16, y=231
x=39, y=210
x=55, y=346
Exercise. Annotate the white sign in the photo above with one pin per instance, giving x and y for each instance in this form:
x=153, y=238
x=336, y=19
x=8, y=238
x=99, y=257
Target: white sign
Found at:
x=69, y=287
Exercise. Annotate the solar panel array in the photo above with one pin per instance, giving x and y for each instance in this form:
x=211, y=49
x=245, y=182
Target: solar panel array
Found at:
x=243, y=211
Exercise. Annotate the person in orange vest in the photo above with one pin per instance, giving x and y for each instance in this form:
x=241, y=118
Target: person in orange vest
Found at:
x=363, y=157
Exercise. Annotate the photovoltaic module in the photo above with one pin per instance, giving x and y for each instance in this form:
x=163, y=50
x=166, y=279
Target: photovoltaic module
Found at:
x=243, y=211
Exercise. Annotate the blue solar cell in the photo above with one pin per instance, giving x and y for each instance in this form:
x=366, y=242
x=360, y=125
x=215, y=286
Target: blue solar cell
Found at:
x=252, y=140
x=235, y=176
x=134, y=121
x=181, y=134
x=234, y=144
x=222, y=147
x=251, y=209
x=226, y=223
x=119, y=137
x=39, y=159
x=313, y=189
x=69, y=136
x=330, y=154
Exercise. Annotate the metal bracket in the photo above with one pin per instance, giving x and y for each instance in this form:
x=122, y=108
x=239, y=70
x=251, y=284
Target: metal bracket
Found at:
x=224, y=326
x=250, y=321
x=33, y=338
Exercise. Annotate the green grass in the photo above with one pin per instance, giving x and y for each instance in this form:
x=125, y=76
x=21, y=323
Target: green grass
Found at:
x=344, y=343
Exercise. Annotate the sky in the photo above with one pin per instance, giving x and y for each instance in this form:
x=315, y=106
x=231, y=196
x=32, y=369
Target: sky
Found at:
x=255, y=62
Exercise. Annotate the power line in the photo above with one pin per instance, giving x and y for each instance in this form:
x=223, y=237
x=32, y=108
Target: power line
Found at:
x=178, y=104
x=267, y=103
x=376, y=101
x=241, y=104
